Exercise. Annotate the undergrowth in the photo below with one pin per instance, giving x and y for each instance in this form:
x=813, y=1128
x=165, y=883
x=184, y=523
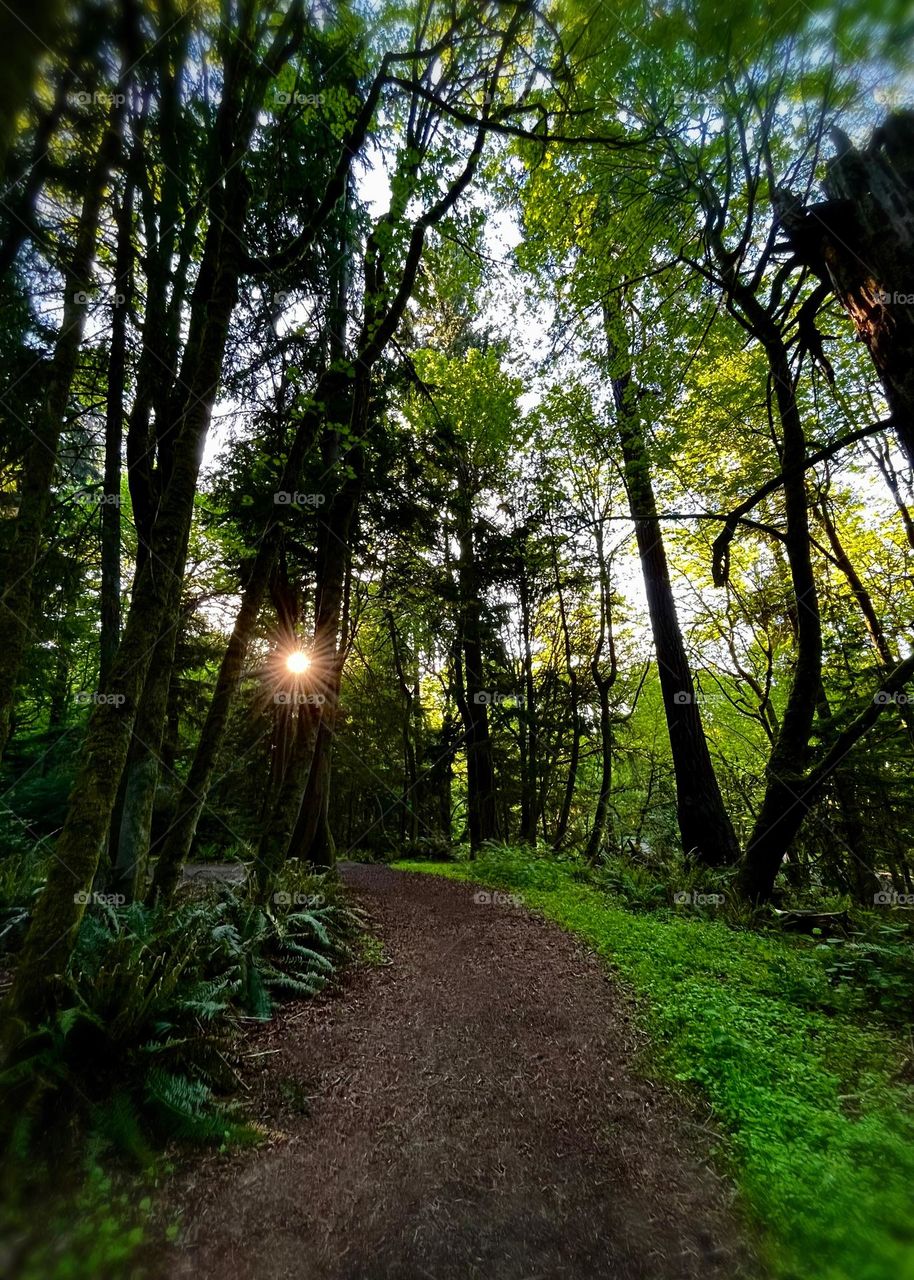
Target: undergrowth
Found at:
x=807, y=1072
x=140, y=1054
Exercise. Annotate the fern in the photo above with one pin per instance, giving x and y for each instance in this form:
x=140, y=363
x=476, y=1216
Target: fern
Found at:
x=141, y=1049
x=186, y=1109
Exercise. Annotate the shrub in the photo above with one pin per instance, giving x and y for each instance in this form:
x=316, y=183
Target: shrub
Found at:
x=139, y=1052
x=875, y=968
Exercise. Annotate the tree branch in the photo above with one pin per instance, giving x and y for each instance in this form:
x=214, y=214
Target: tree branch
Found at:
x=721, y=550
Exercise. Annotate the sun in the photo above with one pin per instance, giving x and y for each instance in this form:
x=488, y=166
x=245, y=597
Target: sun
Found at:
x=298, y=662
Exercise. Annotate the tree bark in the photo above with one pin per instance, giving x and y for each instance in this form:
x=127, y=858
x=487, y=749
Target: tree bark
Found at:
x=774, y=827
x=195, y=790
x=114, y=437
x=41, y=457
x=530, y=796
x=312, y=838
x=604, y=683
x=141, y=775
x=482, y=807
x=61, y=906
x=705, y=828
x=860, y=242
x=274, y=843
x=409, y=817
x=758, y=876
x=571, y=777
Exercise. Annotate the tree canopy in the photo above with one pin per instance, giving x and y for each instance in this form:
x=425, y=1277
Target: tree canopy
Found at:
x=435, y=424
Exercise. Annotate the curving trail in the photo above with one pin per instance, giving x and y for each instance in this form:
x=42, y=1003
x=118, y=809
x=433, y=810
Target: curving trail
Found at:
x=470, y=1111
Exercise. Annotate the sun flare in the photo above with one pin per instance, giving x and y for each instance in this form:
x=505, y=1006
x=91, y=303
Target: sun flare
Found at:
x=298, y=662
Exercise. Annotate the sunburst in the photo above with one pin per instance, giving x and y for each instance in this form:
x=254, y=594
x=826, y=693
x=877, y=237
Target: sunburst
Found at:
x=298, y=662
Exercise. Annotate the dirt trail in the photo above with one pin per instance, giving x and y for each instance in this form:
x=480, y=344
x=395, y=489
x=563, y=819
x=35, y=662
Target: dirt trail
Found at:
x=469, y=1111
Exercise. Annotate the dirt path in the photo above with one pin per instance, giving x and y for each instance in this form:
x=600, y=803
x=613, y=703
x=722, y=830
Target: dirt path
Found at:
x=468, y=1112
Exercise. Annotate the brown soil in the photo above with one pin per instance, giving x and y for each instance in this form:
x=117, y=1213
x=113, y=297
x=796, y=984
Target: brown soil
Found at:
x=469, y=1110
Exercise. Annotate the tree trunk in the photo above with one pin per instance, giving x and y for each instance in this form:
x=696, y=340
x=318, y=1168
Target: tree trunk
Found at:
x=195, y=790
x=600, y=826
x=331, y=387
x=41, y=457
x=782, y=811
x=409, y=818
x=59, y=911
x=114, y=436
x=141, y=775
x=707, y=833
x=26, y=40
x=482, y=808
x=271, y=853
x=860, y=242
x=312, y=838
x=758, y=876
x=879, y=640
x=529, y=804
x=60, y=908
x=574, y=699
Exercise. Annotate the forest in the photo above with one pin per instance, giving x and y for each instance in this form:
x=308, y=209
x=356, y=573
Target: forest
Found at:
x=455, y=443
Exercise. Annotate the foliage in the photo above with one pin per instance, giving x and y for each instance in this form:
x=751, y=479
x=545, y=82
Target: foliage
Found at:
x=530, y=305
x=876, y=967
x=57, y=1232
x=140, y=1050
x=813, y=1099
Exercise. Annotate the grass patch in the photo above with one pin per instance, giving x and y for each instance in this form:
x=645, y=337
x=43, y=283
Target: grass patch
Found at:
x=812, y=1095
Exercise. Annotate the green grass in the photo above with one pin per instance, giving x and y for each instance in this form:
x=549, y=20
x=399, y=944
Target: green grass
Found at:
x=819, y=1125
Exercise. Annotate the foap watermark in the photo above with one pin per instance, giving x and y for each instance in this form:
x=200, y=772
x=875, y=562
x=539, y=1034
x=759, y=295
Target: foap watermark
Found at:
x=891, y=97
x=895, y=299
x=493, y=898
x=883, y=698
x=85, y=698
x=290, y=699
x=297, y=99
x=283, y=498
x=81, y=298
x=101, y=98
x=85, y=899
x=694, y=898
x=686, y=697
x=283, y=899
x=888, y=898
x=488, y=698
x=107, y=499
